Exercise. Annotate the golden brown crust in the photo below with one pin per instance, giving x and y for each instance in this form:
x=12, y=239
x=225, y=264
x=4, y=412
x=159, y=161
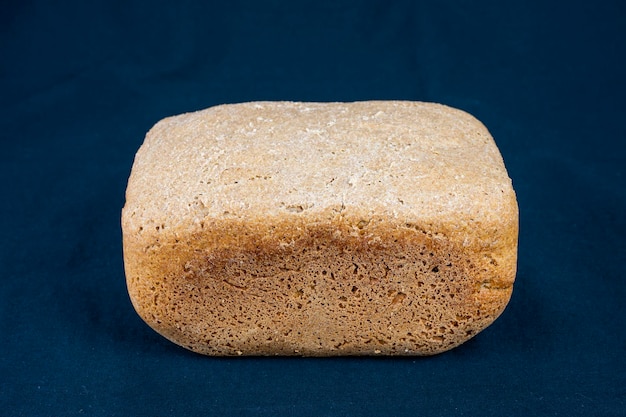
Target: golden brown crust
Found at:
x=214, y=267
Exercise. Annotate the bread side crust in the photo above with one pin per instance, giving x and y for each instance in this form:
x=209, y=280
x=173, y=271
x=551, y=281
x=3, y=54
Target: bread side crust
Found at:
x=320, y=287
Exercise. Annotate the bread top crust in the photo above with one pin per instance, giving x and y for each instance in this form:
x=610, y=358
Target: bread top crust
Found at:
x=268, y=162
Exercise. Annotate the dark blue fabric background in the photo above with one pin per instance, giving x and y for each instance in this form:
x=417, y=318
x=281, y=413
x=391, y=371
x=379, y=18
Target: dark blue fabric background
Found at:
x=81, y=83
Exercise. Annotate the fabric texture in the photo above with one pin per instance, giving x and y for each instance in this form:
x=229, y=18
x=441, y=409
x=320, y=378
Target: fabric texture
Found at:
x=82, y=82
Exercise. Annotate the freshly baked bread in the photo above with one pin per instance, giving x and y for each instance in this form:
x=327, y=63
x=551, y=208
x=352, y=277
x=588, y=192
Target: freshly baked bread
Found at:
x=317, y=229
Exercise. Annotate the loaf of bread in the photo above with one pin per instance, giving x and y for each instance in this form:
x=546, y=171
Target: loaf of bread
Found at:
x=318, y=229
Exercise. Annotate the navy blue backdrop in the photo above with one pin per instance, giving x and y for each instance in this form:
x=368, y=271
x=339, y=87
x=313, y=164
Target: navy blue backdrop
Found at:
x=81, y=82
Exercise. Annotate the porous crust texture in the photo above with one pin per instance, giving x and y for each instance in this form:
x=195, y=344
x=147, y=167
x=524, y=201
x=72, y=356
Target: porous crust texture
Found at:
x=320, y=229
